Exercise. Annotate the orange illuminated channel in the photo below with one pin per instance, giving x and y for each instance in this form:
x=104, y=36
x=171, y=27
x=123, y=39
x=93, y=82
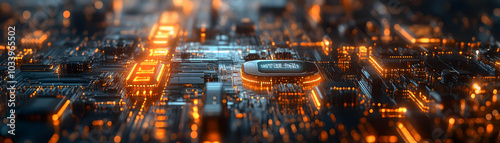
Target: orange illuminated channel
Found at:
x=59, y=113
x=316, y=100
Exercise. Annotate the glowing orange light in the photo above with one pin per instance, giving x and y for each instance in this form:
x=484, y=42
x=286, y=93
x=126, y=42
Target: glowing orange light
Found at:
x=54, y=138
x=160, y=42
x=149, y=63
x=141, y=78
x=60, y=111
x=316, y=100
x=194, y=134
x=153, y=30
x=489, y=128
x=315, y=12
x=166, y=28
x=477, y=88
x=404, y=33
x=26, y=14
x=130, y=74
x=310, y=81
x=66, y=14
x=178, y=2
x=405, y=133
x=160, y=124
x=451, y=121
x=159, y=52
x=142, y=71
x=377, y=66
x=424, y=40
x=420, y=104
x=55, y=117
x=117, y=139
x=371, y=138
x=98, y=4
x=196, y=115
x=161, y=73
x=387, y=32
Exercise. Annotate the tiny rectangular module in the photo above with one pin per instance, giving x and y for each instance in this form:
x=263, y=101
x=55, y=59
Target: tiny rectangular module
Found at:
x=263, y=74
x=250, y=71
